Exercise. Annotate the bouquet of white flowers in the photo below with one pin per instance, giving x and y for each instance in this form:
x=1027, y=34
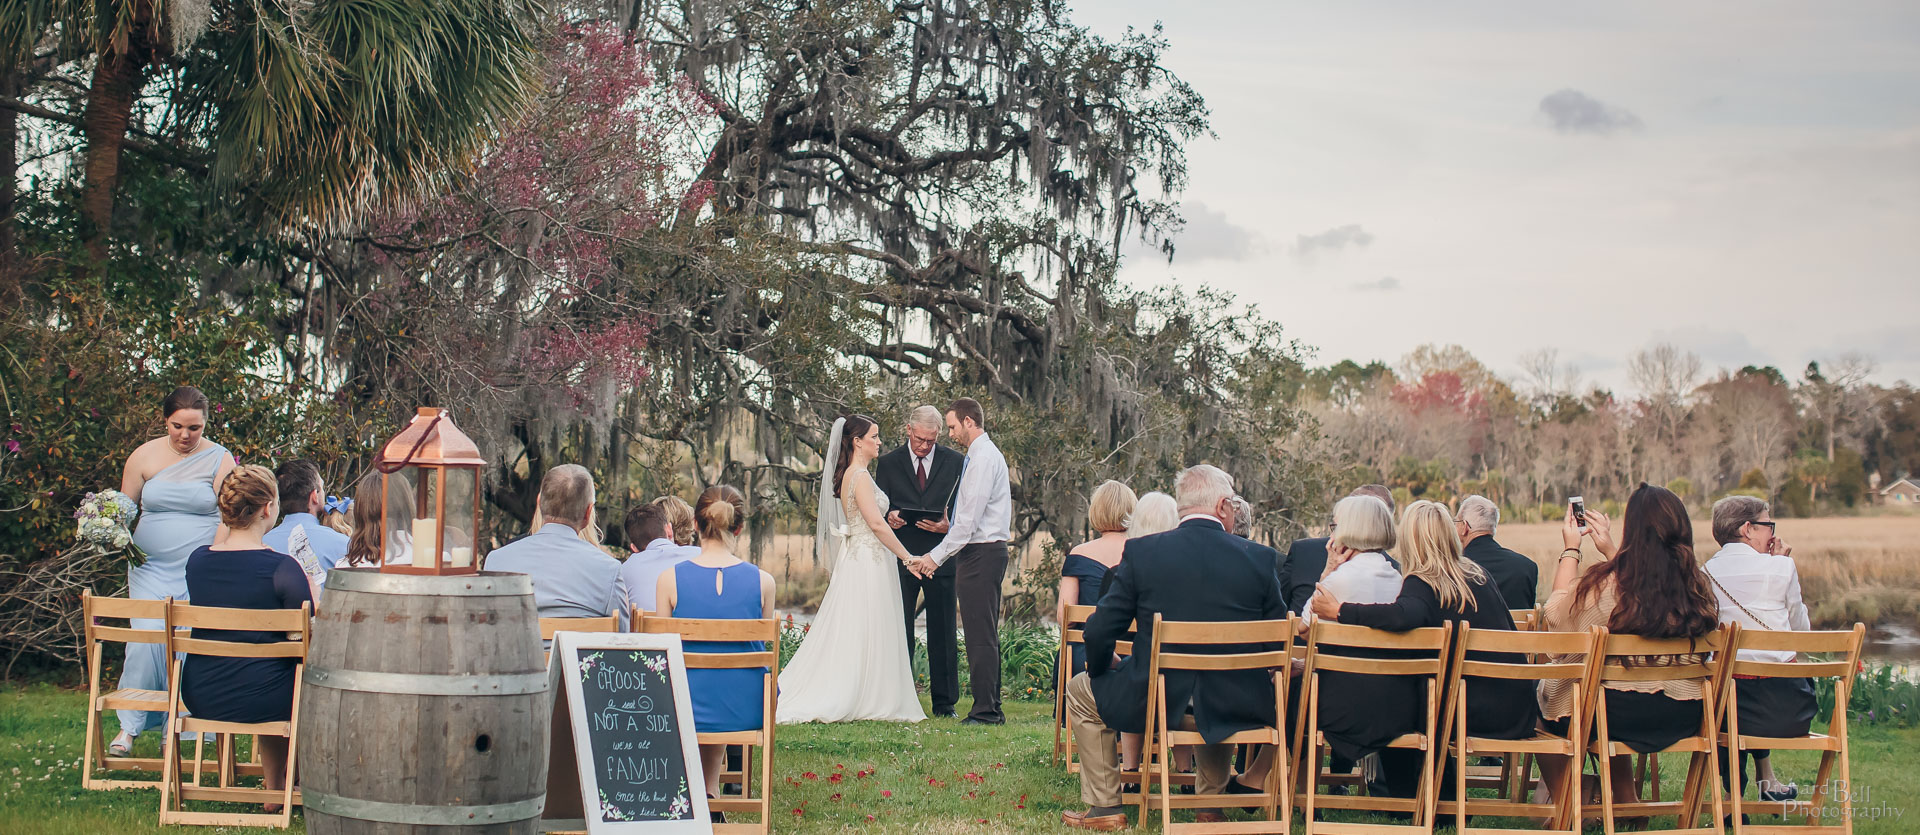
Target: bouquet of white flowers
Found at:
x=102, y=522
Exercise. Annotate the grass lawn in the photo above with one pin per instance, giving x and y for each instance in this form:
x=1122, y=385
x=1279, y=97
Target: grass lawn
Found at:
x=929, y=778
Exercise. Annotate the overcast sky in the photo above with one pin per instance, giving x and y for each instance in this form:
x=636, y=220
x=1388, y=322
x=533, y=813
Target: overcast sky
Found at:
x=1740, y=179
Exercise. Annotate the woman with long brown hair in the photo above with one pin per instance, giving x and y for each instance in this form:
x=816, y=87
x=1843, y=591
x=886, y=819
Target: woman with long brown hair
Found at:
x=363, y=545
x=853, y=664
x=1649, y=586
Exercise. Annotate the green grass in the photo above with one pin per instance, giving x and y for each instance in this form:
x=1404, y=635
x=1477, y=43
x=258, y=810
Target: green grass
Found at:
x=942, y=777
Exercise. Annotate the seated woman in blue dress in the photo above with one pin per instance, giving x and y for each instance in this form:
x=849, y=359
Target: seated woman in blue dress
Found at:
x=1084, y=572
x=243, y=573
x=718, y=585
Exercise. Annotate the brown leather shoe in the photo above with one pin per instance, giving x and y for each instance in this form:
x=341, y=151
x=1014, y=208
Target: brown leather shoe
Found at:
x=1209, y=816
x=1101, y=823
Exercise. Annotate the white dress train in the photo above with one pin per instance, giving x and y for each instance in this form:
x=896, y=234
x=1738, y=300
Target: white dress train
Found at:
x=853, y=663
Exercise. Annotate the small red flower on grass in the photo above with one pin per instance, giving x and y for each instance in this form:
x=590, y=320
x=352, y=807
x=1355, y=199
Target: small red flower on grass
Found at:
x=836, y=777
x=810, y=776
x=886, y=793
x=973, y=777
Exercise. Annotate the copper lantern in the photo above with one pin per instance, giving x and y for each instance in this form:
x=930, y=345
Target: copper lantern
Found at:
x=430, y=488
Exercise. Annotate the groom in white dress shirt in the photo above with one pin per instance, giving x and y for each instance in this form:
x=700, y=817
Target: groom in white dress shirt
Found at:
x=977, y=543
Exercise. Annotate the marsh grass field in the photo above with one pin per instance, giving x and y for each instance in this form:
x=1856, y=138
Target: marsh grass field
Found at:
x=1852, y=569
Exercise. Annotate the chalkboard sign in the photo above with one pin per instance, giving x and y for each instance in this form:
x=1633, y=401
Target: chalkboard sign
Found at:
x=632, y=732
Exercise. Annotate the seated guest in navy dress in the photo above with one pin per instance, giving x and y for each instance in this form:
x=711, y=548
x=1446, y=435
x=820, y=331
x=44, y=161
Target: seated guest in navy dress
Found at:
x=716, y=584
x=243, y=573
x=1084, y=572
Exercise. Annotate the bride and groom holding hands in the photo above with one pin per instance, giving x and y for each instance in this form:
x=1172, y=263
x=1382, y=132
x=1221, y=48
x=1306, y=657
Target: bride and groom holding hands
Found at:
x=929, y=522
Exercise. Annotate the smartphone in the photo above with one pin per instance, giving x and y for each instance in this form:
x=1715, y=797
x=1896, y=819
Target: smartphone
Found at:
x=1579, y=505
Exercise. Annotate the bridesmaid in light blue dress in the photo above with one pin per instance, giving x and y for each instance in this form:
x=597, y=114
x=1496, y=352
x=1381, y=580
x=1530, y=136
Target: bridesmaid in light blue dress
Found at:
x=174, y=478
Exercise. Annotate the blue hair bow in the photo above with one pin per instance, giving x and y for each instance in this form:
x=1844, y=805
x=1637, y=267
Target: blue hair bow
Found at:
x=339, y=504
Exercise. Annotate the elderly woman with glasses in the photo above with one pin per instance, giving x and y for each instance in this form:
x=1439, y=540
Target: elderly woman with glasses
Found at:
x=1757, y=585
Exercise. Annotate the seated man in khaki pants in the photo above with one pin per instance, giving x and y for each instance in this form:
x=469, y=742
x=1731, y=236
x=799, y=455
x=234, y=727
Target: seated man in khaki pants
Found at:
x=1196, y=572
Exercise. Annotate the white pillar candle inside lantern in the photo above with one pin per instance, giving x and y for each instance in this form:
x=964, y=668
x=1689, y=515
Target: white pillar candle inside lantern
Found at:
x=426, y=540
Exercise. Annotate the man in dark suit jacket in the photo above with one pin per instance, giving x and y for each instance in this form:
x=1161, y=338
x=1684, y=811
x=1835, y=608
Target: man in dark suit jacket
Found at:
x=1195, y=572
x=1513, y=573
x=922, y=474
x=1307, y=558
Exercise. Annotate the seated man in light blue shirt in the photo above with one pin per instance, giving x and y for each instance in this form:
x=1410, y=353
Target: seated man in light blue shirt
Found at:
x=302, y=494
x=572, y=578
x=648, y=525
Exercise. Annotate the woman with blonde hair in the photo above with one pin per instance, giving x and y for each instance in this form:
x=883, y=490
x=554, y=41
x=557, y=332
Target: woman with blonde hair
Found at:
x=718, y=585
x=1084, y=571
x=243, y=573
x=1442, y=587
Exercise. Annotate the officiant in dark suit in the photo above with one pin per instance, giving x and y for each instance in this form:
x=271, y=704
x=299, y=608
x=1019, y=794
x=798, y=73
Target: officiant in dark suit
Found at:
x=1195, y=572
x=923, y=474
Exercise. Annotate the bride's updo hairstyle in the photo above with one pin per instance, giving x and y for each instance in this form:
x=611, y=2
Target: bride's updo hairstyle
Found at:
x=721, y=513
x=856, y=428
x=247, y=491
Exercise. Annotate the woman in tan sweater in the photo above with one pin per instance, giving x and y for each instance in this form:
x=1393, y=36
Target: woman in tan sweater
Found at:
x=1649, y=586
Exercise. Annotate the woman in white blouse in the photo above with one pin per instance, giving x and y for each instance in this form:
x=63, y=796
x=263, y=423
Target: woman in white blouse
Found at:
x=1358, y=570
x=1359, y=713
x=1757, y=585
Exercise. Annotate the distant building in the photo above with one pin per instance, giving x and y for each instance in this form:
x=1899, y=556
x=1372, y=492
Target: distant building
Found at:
x=1903, y=493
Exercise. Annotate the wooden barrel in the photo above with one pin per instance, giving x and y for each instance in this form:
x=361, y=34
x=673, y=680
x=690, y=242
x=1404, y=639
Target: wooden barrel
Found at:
x=424, y=707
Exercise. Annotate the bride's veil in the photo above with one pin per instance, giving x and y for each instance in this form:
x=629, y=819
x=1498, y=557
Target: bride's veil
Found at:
x=830, y=532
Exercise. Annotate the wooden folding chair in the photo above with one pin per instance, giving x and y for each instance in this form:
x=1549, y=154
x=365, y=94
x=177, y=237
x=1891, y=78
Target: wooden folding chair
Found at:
x=1621, y=662
x=1463, y=747
x=1164, y=729
x=1073, y=632
x=766, y=631
x=548, y=626
x=174, y=791
x=94, y=755
x=1526, y=620
x=1844, y=647
x=1431, y=645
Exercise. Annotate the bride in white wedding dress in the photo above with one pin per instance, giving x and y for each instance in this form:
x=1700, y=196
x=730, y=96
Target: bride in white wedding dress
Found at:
x=853, y=664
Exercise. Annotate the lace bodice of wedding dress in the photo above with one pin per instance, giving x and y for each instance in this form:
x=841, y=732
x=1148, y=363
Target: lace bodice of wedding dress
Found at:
x=861, y=543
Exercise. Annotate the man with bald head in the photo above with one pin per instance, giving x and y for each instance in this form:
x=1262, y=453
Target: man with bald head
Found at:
x=1517, y=577
x=1307, y=558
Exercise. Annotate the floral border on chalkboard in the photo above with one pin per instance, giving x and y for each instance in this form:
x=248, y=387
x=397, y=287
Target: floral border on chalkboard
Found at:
x=682, y=806
x=655, y=661
x=610, y=811
x=586, y=666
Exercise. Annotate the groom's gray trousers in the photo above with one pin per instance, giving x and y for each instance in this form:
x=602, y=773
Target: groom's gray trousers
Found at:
x=978, y=571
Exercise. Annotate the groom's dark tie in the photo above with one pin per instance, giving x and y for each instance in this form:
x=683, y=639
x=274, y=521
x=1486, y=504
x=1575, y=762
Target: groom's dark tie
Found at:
x=920, y=472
